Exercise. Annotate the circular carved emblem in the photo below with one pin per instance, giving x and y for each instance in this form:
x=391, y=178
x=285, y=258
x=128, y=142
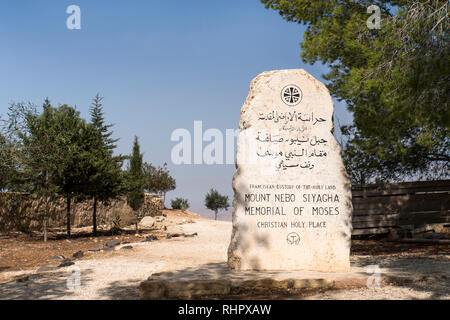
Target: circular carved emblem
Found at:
x=293, y=238
x=291, y=95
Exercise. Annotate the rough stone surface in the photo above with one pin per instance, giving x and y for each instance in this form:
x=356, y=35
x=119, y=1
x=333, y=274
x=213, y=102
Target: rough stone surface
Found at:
x=292, y=205
x=78, y=254
x=147, y=222
x=20, y=212
x=220, y=281
x=46, y=268
x=96, y=249
x=150, y=238
x=56, y=258
x=66, y=263
x=112, y=243
x=160, y=289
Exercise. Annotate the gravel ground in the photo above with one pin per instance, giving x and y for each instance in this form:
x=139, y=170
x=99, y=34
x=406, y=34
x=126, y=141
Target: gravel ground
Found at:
x=118, y=275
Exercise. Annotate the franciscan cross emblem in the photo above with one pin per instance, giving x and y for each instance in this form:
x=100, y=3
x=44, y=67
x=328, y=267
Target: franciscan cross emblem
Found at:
x=291, y=95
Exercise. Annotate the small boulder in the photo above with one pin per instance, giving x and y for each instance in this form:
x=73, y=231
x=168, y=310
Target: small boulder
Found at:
x=173, y=235
x=127, y=248
x=147, y=222
x=150, y=238
x=57, y=258
x=23, y=279
x=78, y=254
x=112, y=243
x=191, y=235
x=97, y=249
x=66, y=263
x=46, y=268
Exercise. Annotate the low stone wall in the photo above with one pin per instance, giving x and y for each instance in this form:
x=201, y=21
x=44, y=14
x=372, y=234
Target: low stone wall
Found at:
x=19, y=212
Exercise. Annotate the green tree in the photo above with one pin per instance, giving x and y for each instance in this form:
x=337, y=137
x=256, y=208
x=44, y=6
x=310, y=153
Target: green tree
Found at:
x=36, y=157
x=12, y=151
x=41, y=159
x=180, y=204
x=72, y=139
x=135, y=181
x=56, y=153
x=6, y=171
x=69, y=135
x=395, y=80
x=53, y=151
x=105, y=176
x=158, y=180
x=215, y=201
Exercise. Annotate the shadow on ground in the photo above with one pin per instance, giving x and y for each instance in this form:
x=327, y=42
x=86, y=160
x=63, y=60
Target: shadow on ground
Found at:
x=428, y=274
x=121, y=290
x=41, y=286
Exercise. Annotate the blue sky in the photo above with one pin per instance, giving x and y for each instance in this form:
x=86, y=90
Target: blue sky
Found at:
x=160, y=65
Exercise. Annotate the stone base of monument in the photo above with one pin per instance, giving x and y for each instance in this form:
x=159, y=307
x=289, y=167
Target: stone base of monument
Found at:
x=218, y=281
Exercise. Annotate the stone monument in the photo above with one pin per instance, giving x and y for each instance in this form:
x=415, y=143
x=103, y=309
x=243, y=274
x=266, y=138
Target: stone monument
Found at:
x=292, y=206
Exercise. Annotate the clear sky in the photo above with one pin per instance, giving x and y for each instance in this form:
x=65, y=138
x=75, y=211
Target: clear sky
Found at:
x=160, y=65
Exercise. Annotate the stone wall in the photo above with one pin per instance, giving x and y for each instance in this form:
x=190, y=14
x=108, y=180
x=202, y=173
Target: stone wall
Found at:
x=19, y=212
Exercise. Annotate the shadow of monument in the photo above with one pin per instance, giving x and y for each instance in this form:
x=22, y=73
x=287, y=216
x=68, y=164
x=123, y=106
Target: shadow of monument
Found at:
x=244, y=246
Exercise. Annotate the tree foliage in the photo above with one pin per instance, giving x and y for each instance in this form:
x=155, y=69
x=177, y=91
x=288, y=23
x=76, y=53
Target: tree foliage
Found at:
x=105, y=169
x=55, y=153
x=158, y=180
x=215, y=202
x=7, y=169
x=50, y=153
x=395, y=80
x=180, y=204
x=135, y=180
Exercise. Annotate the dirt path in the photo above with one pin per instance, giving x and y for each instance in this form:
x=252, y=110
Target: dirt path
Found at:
x=117, y=275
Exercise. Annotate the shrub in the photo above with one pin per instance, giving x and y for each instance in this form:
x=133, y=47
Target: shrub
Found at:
x=180, y=204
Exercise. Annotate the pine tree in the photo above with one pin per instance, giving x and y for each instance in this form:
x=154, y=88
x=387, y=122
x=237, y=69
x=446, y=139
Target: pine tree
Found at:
x=135, y=181
x=71, y=138
x=98, y=121
x=394, y=80
x=52, y=158
x=39, y=158
x=105, y=180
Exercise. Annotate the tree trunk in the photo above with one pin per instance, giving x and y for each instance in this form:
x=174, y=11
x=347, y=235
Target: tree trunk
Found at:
x=45, y=228
x=94, y=218
x=46, y=211
x=68, y=216
x=46, y=221
x=164, y=200
x=137, y=222
x=215, y=215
